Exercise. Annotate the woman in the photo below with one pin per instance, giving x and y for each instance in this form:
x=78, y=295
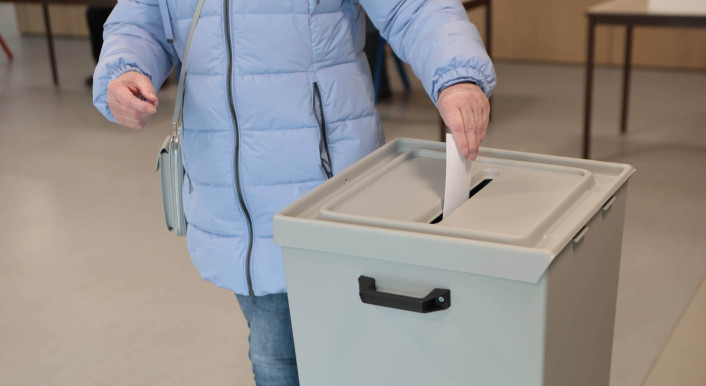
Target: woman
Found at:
x=279, y=98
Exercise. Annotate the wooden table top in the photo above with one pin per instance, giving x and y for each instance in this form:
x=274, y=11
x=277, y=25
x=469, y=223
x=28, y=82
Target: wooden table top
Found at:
x=657, y=8
x=98, y=3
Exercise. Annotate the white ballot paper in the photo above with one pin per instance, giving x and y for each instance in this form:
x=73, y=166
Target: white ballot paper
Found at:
x=458, y=177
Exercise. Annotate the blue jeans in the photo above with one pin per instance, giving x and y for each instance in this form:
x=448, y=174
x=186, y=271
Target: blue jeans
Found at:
x=271, y=341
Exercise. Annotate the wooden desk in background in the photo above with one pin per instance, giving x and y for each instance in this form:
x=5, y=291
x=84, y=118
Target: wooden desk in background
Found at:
x=47, y=23
x=632, y=13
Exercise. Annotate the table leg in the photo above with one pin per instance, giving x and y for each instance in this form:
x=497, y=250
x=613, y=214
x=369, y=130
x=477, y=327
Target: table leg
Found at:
x=489, y=41
x=488, y=27
x=627, y=65
x=50, y=41
x=6, y=48
x=588, y=88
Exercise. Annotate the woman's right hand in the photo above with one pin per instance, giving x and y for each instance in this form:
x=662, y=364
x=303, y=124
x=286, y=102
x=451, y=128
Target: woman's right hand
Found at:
x=132, y=99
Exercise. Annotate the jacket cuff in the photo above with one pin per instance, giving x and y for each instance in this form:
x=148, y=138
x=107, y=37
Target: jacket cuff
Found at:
x=122, y=68
x=460, y=75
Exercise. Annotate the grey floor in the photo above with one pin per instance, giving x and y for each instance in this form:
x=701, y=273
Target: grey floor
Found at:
x=682, y=359
x=93, y=290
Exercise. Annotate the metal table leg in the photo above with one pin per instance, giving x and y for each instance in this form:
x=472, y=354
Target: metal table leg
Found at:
x=588, y=88
x=50, y=41
x=489, y=44
x=488, y=28
x=627, y=65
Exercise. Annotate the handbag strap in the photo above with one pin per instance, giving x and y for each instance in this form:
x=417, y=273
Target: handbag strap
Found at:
x=179, y=104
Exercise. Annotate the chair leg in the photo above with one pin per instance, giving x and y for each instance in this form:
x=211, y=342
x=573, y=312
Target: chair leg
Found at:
x=377, y=76
x=379, y=60
x=403, y=73
x=5, y=48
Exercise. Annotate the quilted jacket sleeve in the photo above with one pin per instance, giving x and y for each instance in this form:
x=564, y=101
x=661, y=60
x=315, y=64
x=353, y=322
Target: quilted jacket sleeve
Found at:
x=134, y=40
x=436, y=38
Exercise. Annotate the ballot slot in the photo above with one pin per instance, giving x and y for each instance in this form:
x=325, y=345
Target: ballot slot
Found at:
x=474, y=190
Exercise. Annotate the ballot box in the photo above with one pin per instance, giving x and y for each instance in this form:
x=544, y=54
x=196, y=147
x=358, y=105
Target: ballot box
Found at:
x=516, y=287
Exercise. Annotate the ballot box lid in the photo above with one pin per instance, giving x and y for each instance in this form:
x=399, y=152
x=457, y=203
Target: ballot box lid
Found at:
x=520, y=204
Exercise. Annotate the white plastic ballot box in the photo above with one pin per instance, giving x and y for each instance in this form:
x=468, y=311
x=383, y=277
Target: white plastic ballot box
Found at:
x=517, y=287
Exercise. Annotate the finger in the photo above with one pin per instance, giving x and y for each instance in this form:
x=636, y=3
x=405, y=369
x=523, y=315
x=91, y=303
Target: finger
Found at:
x=472, y=146
x=146, y=89
x=118, y=110
x=454, y=120
x=461, y=142
x=144, y=120
x=470, y=132
x=485, y=111
x=129, y=122
x=135, y=123
x=479, y=125
x=123, y=111
x=125, y=97
x=486, y=121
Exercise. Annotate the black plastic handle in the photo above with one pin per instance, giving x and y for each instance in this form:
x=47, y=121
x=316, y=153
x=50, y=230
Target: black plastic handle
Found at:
x=437, y=300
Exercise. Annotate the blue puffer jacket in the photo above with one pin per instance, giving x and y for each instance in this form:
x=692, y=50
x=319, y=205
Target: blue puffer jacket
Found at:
x=278, y=98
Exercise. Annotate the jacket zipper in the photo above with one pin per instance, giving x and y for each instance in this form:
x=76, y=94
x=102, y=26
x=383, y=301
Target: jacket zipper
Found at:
x=324, y=151
x=231, y=105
